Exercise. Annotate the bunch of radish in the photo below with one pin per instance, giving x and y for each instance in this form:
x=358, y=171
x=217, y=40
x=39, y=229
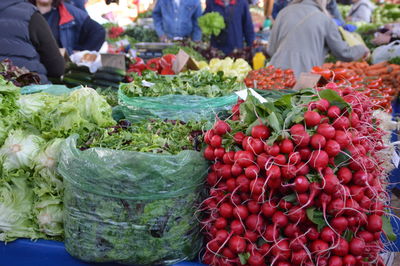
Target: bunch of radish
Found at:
x=314, y=196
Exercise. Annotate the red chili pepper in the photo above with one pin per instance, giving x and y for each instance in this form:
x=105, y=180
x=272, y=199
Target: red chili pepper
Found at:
x=138, y=63
x=167, y=60
x=153, y=64
x=167, y=71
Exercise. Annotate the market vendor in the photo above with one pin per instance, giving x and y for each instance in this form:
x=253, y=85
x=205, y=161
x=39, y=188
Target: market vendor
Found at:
x=26, y=39
x=177, y=19
x=239, y=25
x=360, y=11
x=73, y=29
x=302, y=35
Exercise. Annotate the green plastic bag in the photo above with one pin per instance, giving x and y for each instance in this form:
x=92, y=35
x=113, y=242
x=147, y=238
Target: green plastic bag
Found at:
x=131, y=207
x=48, y=88
x=174, y=107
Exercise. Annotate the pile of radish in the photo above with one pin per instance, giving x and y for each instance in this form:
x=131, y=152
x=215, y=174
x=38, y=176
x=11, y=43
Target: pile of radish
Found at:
x=311, y=194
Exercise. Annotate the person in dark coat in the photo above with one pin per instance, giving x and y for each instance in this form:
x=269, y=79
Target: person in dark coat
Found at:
x=78, y=3
x=73, y=29
x=26, y=39
x=239, y=25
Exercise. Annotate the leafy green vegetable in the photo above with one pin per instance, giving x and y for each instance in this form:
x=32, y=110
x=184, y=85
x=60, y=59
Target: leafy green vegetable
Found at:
x=211, y=23
x=49, y=215
x=388, y=229
x=316, y=217
x=190, y=51
x=201, y=83
x=141, y=34
x=395, y=60
x=8, y=107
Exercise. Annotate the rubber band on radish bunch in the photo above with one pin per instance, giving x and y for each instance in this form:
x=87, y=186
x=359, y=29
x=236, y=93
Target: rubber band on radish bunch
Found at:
x=296, y=181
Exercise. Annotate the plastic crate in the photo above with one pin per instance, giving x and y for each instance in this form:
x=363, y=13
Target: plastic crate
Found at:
x=24, y=252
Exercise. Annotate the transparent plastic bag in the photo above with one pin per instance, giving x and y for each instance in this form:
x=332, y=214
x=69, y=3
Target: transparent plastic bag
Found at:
x=131, y=207
x=174, y=107
x=386, y=52
x=48, y=88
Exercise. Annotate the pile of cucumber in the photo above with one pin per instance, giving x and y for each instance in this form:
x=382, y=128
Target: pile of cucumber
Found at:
x=105, y=77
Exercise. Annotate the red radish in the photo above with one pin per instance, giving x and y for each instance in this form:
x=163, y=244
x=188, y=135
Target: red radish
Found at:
x=357, y=246
x=341, y=122
x=332, y=148
x=298, y=243
x=216, y=141
x=274, y=183
x=286, y=205
x=243, y=183
x=299, y=257
x=288, y=171
x=240, y=212
x=226, y=210
x=209, y=153
x=231, y=184
x=374, y=223
x=339, y=224
x=286, y=146
x=357, y=192
x=342, y=247
x=207, y=137
x=328, y=235
x=318, y=141
x=354, y=120
x=244, y=158
x=319, y=159
x=268, y=209
x=291, y=230
x=349, y=260
x=366, y=236
x=345, y=175
x=296, y=129
x=279, y=219
x=236, y=227
x=302, y=169
x=305, y=154
x=335, y=261
x=281, y=250
x=333, y=112
x=272, y=150
x=301, y=184
x=220, y=223
x=221, y=128
x=221, y=236
x=246, y=142
x=238, y=137
x=336, y=206
x=237, y=244
x=252, y=171
x=322, y=105
x=253, y=206
x=256, y=259
x=331, y=184
x=260, y=132
x=296, y=214
x=360, y=178
x=265, y=248
x=229, y=157
x=213, y=246
x=257, y=186
x=342, y=138
x=326, y=130
x=251, y=236
x=219, y=153
x=312, y=118
x=262, y=160
x=212, y=178
x=236, y=170
x=255, y=222
x=225, y=171
x=312, y=234
x=273, y=172
x=255, y=146
x=280, y=159
x=319, y=247
x=294, y=158
x=226, y=252
x=271, y=234
x=301, y=139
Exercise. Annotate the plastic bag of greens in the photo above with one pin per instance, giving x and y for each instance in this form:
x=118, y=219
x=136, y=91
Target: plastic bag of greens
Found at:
x=48, y=88
x=174, y=107
x=131, y=207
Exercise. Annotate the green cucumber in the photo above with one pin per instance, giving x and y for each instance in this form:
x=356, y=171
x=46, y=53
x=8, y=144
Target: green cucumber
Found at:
x=105, y=83
x=108, y=76
x=112, y=70
x=84, y=77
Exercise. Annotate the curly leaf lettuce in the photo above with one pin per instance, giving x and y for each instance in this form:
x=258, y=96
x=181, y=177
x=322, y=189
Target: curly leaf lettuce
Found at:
x=19, y=150
x=211, y=23
x=49, y=215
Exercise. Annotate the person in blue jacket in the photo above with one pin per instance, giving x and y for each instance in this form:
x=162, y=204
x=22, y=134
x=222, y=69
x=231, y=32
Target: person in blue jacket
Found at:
x=78, y=3
x=239, y=25
x=177, y=19
x=72, y=28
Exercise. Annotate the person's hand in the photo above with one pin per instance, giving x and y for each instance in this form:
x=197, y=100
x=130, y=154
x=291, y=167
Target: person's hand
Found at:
x=381, y=38
x=164, y=38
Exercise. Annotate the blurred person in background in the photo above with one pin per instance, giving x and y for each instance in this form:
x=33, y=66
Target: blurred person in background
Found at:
x=72, y=28
x=302, y=35
x=78, y=3
x=177, y=19
x=360, y=11
x=26, y=39
x=239, y=25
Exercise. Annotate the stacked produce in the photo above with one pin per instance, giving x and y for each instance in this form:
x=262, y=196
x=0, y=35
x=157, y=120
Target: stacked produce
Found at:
x=231, y=68
x=131, y=193
x=141, y=34
x=270, y=78
x=199, y=51
x=368, y=79
x=161, y=65
x=18, y=76
x=35, y=126
x=297, y=181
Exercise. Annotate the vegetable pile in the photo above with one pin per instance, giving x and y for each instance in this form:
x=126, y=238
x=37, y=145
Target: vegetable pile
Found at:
x=18, y=76
x=298, y=181
x=161, y=65
x=201, y=83
x=231, y=68
x=32, y=131
x=270, y=78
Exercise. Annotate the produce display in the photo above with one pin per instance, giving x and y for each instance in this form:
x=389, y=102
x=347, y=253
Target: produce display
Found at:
x=211, y=23
x=270, y=78
x=18, y=76
x=231, y=68
x=161, y=65
x=199, y=51
x=200, y=83
x=297, y=181
x=187, y=49
x=141, y=34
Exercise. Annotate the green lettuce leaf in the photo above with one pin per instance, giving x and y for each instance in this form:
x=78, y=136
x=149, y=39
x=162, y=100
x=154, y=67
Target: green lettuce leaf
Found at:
x=49, y=215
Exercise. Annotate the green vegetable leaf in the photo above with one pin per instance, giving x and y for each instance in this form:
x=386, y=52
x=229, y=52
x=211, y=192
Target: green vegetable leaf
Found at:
x=348, y=235
x=244, y=257
x=334, y=98
x=316, y=217
x=274, y=122
x=388, y=229
x=313, y=177
x=255, y=123
x=343, y=158
x=290, y=198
